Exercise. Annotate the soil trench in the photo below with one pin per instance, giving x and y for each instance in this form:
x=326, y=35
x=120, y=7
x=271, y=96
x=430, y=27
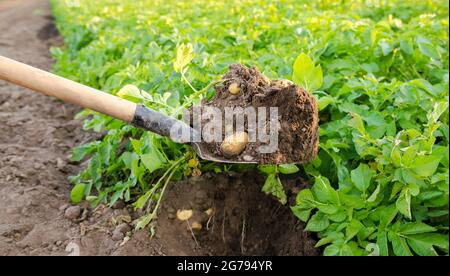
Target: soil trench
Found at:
x=36, y=135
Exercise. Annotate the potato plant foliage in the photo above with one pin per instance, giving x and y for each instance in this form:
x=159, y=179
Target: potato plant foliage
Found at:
x=379, y=70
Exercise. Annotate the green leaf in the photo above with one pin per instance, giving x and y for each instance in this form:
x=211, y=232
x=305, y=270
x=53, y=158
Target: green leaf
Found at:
x=407, y=47
x=409, y=155
x=372, y=118
x=331, y=237
x=370, y=67
x=375, y=193
x=305, y=199
x=422, y=248
x=399, y=245
x=268, y=169
x=426, y=165
x=323, y=191
x=435, y=239
x=351, y=200
x=288, y=168
x=80, y=152
x=116, y=196
x=352, y=249
x=387, y=214
x=396, y=188
x=153, y=159
x=382, y=243
x=300, y=213
x=144, y=221
x=185, y=54
x=104, y=151
x=429, y=50
x=403, y=203
x=439, y=109
x=317, y=223
x=328, y=209
x=352, y=229
x=274, y=187
x=357, y=123
x=91, y=198
x=142, y=200
x=306, y=74
x=331, y=250
x=127, y=195
x=361, y=177
x=415, y=228
x=407, y=176
x=129, y=158
x=396, y=157
x=131, y=93
x=136, y=146
x=77, y=193
x=386, y=47
x=339, y=216
x=152, y=162
x=323, y=102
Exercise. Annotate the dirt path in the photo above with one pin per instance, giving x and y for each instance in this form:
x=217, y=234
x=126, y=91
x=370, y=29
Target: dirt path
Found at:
x=36, y=135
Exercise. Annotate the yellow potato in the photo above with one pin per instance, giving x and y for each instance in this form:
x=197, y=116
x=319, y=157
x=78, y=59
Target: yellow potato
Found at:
x=234, y=144
x=234, y=88
x=209, y=212
x=184, y=214
x=196, y=226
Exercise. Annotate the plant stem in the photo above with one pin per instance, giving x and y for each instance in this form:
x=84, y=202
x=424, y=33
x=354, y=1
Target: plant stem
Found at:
x=145, y=220
x=158, y=184
x=200, y=92
x=155, y=210
x=189, y=83
x=169, y=170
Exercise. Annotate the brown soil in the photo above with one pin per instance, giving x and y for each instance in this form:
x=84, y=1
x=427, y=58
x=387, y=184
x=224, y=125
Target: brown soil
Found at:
x=298, y=138
x=36, y=135
x=244, y=220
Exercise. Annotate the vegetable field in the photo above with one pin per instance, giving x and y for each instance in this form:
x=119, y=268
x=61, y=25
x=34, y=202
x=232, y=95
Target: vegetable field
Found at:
x=378, y=70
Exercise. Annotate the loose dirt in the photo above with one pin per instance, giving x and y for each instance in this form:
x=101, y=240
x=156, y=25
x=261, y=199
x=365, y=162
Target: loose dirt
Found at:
x=298, y=136
x=36, y=135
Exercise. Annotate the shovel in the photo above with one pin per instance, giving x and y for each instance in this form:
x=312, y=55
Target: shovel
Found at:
x=87, y=97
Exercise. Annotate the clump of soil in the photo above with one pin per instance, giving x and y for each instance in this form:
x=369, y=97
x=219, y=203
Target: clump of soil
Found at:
x=298, y=136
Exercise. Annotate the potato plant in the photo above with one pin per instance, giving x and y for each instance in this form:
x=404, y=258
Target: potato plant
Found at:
x=378, y=69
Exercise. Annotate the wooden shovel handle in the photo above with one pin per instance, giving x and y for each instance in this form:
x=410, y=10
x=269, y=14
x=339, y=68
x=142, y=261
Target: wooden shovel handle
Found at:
x=66, y=90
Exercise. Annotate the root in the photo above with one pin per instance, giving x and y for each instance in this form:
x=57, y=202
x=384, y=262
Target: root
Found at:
x=243, y=237
x=223, y=226
x=192, y=233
